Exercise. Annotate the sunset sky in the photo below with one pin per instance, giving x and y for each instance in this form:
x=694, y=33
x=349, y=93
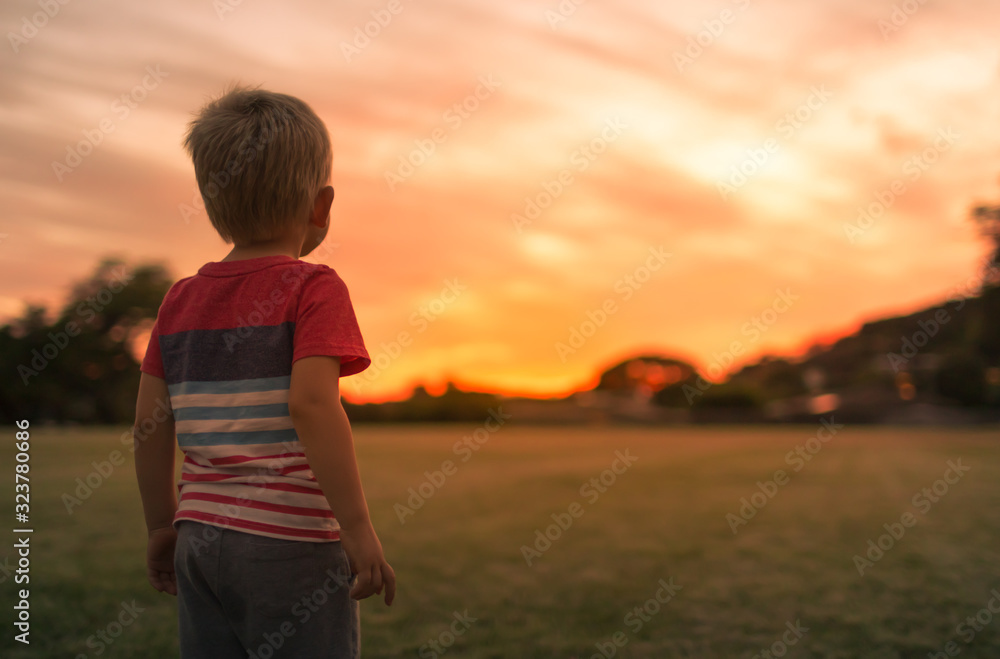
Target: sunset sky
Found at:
x=643, y=109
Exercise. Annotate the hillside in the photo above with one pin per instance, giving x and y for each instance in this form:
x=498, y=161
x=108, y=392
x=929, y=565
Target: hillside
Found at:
x=938, y=365
x=945, y=356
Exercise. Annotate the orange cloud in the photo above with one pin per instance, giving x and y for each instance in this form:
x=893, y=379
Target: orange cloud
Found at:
x=556, y=85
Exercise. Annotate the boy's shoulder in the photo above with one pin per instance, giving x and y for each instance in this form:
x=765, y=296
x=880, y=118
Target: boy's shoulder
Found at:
x=288, y=281
x=290, y=270
x=282, y=300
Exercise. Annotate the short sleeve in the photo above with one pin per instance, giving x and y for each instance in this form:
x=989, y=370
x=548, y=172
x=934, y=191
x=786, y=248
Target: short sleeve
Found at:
x=325, y=324
x=152, y=363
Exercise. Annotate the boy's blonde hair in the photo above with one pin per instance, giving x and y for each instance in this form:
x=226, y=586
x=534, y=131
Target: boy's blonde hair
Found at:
x=259, y=158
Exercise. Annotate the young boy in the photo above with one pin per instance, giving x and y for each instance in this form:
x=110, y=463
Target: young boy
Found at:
x=243, y=365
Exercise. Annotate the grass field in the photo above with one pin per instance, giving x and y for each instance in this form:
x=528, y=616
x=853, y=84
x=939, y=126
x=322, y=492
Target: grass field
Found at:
x=664, y=517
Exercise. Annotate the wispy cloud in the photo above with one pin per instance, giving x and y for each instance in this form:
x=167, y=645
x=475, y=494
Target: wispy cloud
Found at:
x=559, y=84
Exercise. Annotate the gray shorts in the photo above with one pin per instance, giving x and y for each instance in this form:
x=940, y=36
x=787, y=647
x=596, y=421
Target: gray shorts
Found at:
x=243, y=596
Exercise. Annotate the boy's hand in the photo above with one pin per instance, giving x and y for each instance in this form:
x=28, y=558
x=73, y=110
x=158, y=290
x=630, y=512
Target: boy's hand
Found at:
x=364, y=552
x=160, y=560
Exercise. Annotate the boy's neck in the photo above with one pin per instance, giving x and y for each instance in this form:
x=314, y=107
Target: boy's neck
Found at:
x=258, y=250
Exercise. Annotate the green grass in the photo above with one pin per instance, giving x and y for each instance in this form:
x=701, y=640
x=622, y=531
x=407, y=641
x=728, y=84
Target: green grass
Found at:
x=663, y=518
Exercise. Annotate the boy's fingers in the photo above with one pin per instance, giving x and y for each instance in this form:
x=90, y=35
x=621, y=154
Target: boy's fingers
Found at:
x=377, y=578
x=373, y=578
x=171, y=583
x=390, y=584
x=362, y=586
x=164, y=582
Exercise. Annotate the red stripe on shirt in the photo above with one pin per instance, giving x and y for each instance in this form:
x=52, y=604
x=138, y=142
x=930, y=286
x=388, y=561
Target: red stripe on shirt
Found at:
x=195, y=478
x=260, y=505
x=288, y=487
x=289, y=470
x=222, y=520
x=236, y=459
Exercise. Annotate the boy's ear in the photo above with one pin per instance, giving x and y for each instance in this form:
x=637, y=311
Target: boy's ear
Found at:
x=320, y=215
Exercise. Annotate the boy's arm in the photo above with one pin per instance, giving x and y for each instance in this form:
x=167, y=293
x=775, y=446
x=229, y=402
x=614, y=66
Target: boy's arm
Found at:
x=154, y=468
x=325, y=433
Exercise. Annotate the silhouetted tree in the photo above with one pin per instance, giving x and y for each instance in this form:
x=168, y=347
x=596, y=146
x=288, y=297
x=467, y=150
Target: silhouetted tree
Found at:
x=988, y=218
x=80, y=367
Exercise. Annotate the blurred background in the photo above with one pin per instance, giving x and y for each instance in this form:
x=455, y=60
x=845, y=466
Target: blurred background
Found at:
x=635, y=215
x=504, y=171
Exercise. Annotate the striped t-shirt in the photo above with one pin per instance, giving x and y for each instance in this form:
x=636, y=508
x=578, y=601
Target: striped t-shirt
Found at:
x=224, y=341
